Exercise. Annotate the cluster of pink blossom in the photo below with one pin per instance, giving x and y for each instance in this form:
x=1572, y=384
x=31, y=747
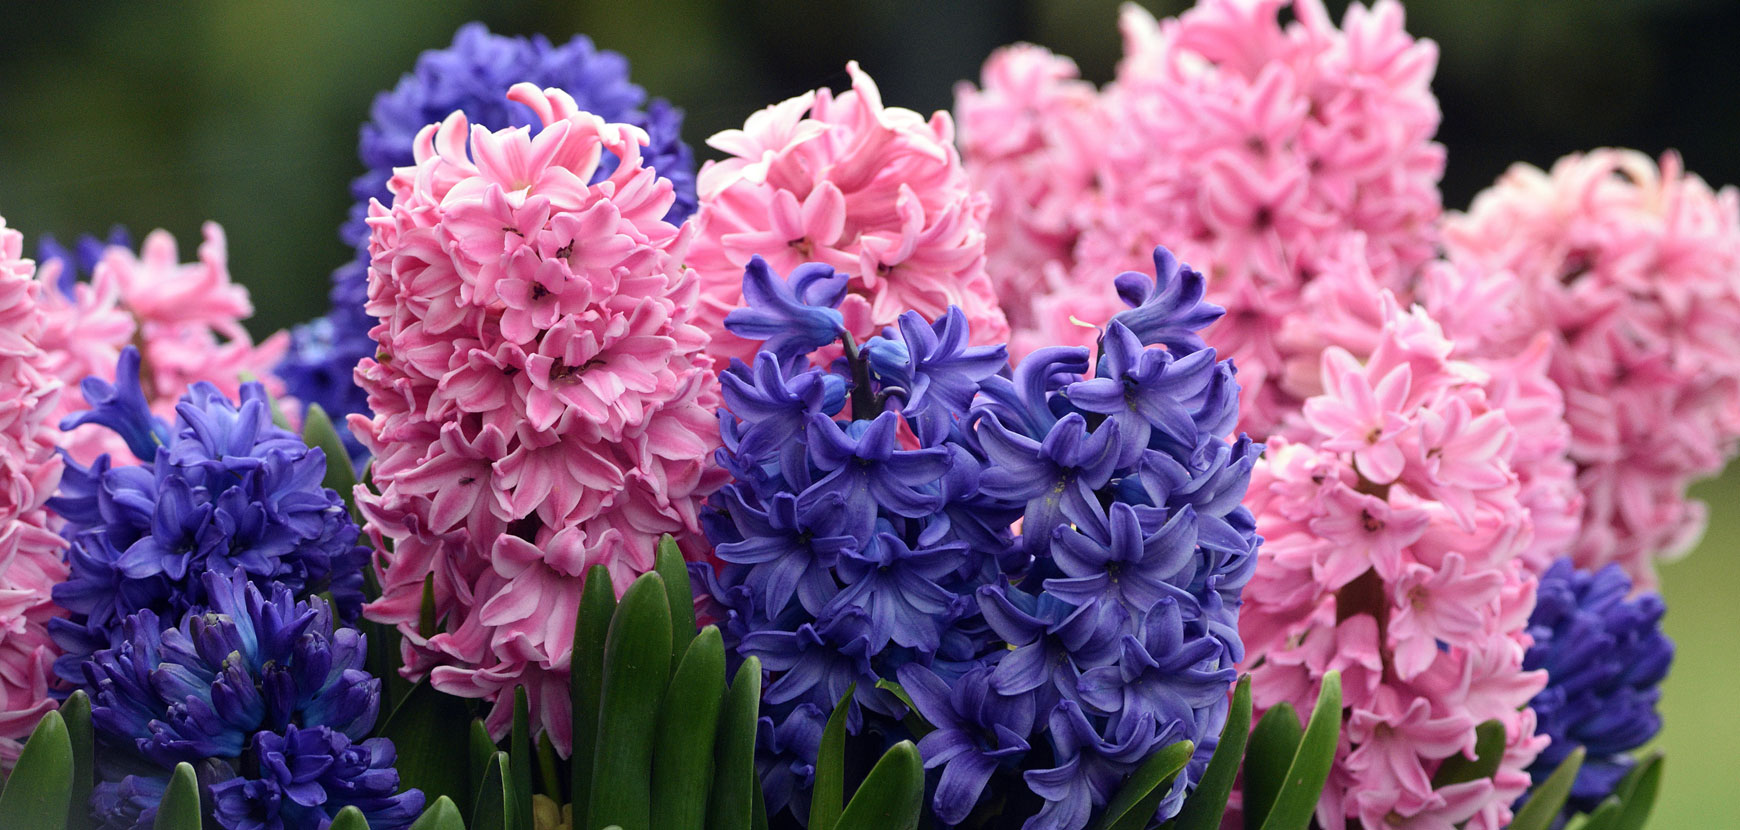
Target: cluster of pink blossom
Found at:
x=877, y=192
x=30, y=552
x=1632, y=273
x=1394, y=536
x=1258, y=152
x=185, y=319
x=541, y=400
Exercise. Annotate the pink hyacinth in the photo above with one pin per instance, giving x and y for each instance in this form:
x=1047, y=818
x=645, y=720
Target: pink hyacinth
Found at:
x=877, y=192
x=185, y=319
x=541, y=399
x=1394, y=540
x=1630, y=273
x=30, y=552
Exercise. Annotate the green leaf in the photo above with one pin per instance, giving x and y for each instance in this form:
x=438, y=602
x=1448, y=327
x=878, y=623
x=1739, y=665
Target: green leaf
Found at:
x=547, y=770
x=1272, y=747
x=1605, y=814
x=423, y=726
x=520, y=753
x=39, y=792
x=914, y=722
x=1309, y=771
x=1134, y=805
x=828, y=796
x=1637, y=791
x=758, y=815
x=686, y=730
x=732, y=803
x=441, y=815
x=1549, y=797
x=480, y=748
x=891, y=796
x=1207, y=803
x=585, y=682
x=349, y=818
x=1488, y=752
x=494, y=810
x=637, y=657
x=318, y=432
x=179, y=809
x=428, y=619
x=76, y=712
x=670, y=565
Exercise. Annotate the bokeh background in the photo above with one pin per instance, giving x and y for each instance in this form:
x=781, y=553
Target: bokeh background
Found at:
x=163, y=115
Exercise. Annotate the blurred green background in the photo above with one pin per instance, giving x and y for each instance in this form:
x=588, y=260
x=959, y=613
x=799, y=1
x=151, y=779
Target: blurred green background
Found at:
x=163, y=115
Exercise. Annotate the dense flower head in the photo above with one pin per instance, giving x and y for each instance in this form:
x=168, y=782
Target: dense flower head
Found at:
x=1256, y=149
x=472, y=75
x=185, y=319
x=262, y=694
x=870, y=533
x=30, y=552
x=221, y=489
x=1394, y=535
x=1605, y=658
x=1629, y=269
x=541, y=401
x=877, y=193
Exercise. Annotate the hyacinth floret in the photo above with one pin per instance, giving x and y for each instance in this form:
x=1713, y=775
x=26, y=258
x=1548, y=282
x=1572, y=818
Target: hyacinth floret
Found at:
x=870, y=533
x=222, y=488
x=262, y=694
x=1605, y=657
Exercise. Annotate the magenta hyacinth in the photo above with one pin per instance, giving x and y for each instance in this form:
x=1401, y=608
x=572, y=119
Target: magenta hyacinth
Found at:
x=876, y=192
x=541, y=400
x=30, y=551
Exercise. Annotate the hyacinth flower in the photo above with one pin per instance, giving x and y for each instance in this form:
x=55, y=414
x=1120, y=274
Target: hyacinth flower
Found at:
x=540, y=399
x=877, y=193
x=184, y=318
x=30, y=551
x=472, y=75
x=221, y=489
x=260, y=692
x=1394, y=535
x=1046, y=581
x=1605, y=657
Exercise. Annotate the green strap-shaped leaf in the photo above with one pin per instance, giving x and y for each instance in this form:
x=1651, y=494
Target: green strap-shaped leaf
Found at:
x=1207, y=803
x=39, y=793
x=586, y=682
x=1488, y=752
x=441, y=815
x=758, y=804
x=1134, y=805
x=1605, y=814
x=480, y=749
x=428, y=617
x=637, y=657
x=1310, y=768
x=179, y=809
x=424, y=728
x=1549, y=797
x=1637, y=792
x=828, y=796
x=349, y=818
x=687, y=728
x=732, y=803
x=318, y=432
x=892, y=795
x=494, y=810
x=76, y=712
x=548, y=774
x=520, y=753
x=670, y=565
x=1272, y=746
x=914, y=722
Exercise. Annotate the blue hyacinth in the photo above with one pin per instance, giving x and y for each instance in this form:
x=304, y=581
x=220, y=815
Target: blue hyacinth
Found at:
x=222, y=489
x=869, y=533
x=79, y=261
x=1605, y=658
x=262, y=695
x=473, y=75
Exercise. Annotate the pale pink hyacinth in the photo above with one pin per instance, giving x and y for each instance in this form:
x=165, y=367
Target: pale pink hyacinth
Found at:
x=184, y=318
x=542, y=402
x=877, y=192
x=1394, y=540
x=30, y=552
x=1631, y=274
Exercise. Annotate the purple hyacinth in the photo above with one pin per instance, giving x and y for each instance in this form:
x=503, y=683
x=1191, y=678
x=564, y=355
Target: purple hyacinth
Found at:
x=224, y=489
x=878, y=542
x=473, y=74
